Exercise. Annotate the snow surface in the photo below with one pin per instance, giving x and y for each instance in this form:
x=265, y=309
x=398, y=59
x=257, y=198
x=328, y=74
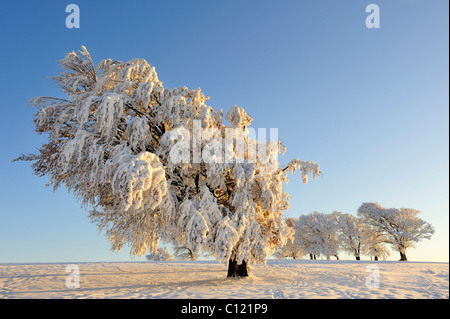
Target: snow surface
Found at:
x=207, y=279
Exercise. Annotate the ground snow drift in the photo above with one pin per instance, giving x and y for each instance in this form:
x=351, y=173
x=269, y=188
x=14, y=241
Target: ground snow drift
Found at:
x=207, y=279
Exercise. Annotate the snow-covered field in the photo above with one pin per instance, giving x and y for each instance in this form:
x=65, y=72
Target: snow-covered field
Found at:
x=207, y=279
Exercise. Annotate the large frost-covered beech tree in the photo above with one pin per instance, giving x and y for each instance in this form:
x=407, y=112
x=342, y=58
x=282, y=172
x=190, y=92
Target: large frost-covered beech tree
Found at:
x=401, y=227
x=120, y=143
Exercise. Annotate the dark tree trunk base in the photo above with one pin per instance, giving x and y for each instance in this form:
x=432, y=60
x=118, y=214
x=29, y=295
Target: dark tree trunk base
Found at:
x=403, y=257
x=235, y=270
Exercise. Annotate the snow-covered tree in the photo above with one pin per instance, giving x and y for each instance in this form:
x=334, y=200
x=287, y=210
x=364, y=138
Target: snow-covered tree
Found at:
x=152, y=163
x=293, y=247
x=401, y=227
x=161, y=254
x=351, y=233
x=306, y=236
x=375, y=244
x=317, y=234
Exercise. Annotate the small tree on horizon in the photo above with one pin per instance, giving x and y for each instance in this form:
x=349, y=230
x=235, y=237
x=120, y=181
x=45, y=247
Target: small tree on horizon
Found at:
x=181, y=252
x=161, y=254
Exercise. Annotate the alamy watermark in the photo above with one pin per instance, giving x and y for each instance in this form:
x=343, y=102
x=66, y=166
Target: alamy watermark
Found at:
x=373, y=279
x=210, y=145
x=73, y=19
x=73, y=279
x=373, y=19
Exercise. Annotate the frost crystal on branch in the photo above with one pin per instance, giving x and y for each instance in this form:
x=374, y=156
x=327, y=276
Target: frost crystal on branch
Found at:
x=127, y=146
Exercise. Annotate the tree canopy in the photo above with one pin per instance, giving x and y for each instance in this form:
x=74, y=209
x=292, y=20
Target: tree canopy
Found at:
x=157, y=163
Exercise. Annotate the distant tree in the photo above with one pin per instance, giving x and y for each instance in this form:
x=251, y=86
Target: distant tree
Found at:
x=401, y=227
x=375, y=244
x=184, y=253
x=161, y=254
x=358, y=238
x=121, y=143
x=351, y=233
x=303, y=236
x=317, y=234
x=293, y=247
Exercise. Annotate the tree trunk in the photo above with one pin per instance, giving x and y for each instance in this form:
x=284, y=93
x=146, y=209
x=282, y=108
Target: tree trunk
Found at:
x=337, y=257
x=402, y=251
x=311, y=256
x=403, y=255
x=235, y=270
x=376, y=257
x=358, y=258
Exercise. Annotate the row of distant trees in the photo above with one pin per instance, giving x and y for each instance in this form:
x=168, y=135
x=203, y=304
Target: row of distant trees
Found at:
x=368, y=233
x=317, y=234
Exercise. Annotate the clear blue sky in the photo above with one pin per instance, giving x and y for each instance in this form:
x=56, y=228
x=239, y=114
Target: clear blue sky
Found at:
x=371, y=106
